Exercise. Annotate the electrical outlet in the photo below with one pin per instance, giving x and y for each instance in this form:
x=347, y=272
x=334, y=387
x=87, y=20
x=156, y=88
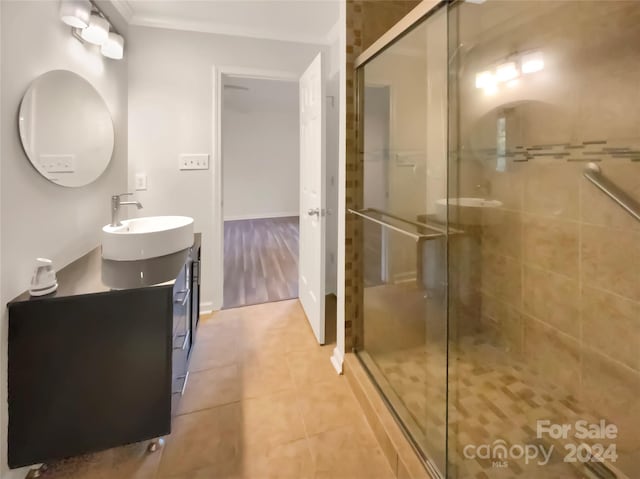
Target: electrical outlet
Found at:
x=198, y=161
x=141, y=181
x=57, y=163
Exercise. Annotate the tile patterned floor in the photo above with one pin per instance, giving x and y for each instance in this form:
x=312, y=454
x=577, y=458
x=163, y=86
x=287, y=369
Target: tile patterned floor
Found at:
x=490, y=398
x=262, y=402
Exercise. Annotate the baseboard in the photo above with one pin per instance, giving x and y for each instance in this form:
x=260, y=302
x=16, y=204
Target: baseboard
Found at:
x=405, y=277
x=337, y=359
x=401, y=455
x=20, y=473
x=259, y=216
x=206, y=307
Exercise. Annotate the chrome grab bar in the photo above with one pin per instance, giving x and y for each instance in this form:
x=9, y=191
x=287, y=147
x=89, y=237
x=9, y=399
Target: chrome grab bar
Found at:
x=593, y=174
x=416, y=236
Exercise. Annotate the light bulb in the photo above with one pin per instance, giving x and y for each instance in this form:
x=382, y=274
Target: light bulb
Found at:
x=75, y=13
x=98, y=30
x=506, y=72
x=113, y=47
x=532, y=62
x=484, y=79
x=491, y=89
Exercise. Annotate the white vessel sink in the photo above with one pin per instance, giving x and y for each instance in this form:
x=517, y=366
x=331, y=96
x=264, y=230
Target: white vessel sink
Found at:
x=150, y=237
x=467, y=211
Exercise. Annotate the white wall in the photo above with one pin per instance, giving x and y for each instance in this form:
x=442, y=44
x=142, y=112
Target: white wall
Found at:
x=332, y=155
x=260, y=149
x=170, y=112
x=40, y=218
x=340, y=48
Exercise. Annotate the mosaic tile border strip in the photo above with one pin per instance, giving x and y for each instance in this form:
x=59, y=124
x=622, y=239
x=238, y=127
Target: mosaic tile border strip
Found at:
x=586, y=151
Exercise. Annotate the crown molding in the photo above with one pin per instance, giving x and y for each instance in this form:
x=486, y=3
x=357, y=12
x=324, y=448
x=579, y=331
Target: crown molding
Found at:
x=157, y=21
x=124, y=8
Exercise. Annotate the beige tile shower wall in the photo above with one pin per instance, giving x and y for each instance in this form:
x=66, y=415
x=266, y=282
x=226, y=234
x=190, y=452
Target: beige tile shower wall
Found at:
x=560, y=261
x=367, y=20
x=563, y=292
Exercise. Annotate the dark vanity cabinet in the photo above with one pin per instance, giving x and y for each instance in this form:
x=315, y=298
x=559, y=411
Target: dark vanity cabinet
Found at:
x=186, y=313
x=104, y=360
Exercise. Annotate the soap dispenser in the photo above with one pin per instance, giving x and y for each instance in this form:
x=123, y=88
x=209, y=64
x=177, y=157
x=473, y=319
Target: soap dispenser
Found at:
x=44, y=279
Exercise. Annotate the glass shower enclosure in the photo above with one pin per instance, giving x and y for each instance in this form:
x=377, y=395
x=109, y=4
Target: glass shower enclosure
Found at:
x=500, y=144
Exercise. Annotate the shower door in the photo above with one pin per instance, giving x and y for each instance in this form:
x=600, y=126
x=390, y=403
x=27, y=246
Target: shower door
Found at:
x=500, y=144
x=544, y=297
x=403, y=342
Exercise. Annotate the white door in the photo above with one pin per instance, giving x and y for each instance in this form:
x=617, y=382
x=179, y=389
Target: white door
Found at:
x=311, y=282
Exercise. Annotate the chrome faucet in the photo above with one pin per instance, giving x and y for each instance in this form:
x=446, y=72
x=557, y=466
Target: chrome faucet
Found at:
x=116, y=203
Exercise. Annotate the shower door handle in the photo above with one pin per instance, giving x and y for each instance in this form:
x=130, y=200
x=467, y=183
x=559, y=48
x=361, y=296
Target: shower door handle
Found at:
x=414, y=232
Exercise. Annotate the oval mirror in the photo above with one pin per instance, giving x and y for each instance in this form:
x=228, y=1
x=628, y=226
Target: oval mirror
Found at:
x=66, y=129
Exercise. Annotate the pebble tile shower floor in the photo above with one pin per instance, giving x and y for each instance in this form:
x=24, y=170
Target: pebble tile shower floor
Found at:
x=493, y=399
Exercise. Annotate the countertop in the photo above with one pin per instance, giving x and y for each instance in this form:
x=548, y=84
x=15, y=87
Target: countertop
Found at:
x=91, y=274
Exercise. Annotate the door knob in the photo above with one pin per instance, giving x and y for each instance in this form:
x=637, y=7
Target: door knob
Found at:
x=314, y=212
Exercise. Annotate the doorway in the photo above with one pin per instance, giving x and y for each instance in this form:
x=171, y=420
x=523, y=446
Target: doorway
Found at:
x=261, y=184
x=377, y=132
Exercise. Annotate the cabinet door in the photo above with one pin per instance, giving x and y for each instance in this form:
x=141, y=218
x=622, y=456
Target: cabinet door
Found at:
x=87, y=373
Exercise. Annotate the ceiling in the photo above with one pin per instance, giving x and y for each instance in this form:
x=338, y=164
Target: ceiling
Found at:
x=306, y=21
x=252, y=94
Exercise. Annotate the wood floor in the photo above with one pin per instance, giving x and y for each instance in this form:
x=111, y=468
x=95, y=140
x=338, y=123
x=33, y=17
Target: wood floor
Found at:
x=260, y=261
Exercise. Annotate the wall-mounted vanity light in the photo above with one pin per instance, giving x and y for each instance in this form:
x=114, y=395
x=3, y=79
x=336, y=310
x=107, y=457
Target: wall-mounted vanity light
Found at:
x=75, y=13
x=113, y=46
x=484, y=79
x=532, y=62
x=508, y=71
x=90, y=25
x=97, y=31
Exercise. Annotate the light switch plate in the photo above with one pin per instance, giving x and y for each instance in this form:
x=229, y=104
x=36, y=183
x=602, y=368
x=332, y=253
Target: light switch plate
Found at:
x=141, y=181
x=198, y=161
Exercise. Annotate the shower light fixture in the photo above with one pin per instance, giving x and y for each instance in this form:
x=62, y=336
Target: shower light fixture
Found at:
x=95, y=28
